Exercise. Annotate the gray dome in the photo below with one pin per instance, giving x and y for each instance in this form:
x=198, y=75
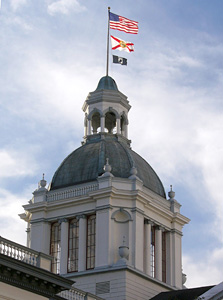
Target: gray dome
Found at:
x=87, y=162
x=107, y=83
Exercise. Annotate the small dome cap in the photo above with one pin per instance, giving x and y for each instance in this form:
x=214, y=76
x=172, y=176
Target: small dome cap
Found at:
x=107, y=83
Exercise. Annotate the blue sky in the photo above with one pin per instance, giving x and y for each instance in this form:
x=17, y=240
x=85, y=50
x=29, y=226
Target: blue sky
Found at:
x=53, y=52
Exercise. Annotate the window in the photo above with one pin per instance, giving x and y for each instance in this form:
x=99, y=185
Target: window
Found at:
x=55, y=247
x=110, y=122
x=152, y=251
x=164, y=256
x=91, y=234
x=73, y=245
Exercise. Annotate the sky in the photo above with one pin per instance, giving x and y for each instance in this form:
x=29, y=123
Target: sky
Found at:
x=53, y=53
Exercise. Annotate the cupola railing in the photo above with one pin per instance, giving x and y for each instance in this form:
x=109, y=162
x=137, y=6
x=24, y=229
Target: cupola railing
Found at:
x=75, y=192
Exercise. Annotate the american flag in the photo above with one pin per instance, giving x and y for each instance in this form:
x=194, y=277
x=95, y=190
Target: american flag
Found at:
x=123, y=24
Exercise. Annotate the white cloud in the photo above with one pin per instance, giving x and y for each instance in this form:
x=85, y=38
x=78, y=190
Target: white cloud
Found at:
x=65, y=7
x=14, y=164
x=204, y=271
x=11, y=226
x=16, y=4
x=18, y=22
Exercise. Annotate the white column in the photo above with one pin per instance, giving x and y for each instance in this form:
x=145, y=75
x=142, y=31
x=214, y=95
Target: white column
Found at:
x=169, y=258
x=28, y=237
x=158, y=253
x=126, y=131
x=85, y=130
x=64, y=246
x=82, y=243
x=89, y=127
x=147, y=247
x=102, y=124
x=118, y=126
x=176, y=259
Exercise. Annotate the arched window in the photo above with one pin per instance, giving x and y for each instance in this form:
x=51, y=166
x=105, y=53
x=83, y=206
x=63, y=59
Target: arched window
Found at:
x=55, y=246
x=96, y=122
x=110, y=122
x=73, y=245
x=91, y=241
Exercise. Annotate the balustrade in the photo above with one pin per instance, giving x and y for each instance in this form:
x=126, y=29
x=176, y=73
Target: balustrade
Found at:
x=78, y=191
x=25, y=254
x=18, y=251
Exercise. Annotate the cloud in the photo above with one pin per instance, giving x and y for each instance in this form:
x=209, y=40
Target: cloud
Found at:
x=11, y=226
x=198, y=271
x=13, y=164
x=65, y=7
x=18, y=22
x=16, y=4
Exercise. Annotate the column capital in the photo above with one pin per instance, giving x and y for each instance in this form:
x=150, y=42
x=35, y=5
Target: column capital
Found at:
x=159, y=227
x=81, y=217
x=147, y=221
x=62, y=220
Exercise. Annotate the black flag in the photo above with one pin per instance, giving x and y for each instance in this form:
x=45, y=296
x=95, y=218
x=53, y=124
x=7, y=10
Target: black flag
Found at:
x=119, y=60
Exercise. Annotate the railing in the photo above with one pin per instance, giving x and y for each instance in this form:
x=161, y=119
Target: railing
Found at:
x=78, y=191
x=18, y=251
x=76, y=294
x=73, y=294
x=25, y=254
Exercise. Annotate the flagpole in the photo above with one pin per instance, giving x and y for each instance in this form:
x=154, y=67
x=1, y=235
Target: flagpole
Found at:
x=108, y=44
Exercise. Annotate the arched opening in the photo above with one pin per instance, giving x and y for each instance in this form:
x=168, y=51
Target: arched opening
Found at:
x=95, y=122
x=110, y=122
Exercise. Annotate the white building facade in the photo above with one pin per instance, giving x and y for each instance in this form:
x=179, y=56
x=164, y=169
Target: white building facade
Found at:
x=105, y=218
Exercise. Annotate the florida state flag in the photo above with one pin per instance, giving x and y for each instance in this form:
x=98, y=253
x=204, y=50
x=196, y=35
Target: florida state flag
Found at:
x=121, y=45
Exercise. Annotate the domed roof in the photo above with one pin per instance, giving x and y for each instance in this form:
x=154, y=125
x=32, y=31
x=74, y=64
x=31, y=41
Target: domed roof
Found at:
x=107, y=83
x=87, y=162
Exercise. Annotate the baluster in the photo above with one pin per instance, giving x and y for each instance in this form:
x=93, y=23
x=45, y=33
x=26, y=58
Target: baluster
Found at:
x=15, y=253
x=3, y=249
x=7, y=251
x=31, y=261
x=26, y=257
x=22, y=254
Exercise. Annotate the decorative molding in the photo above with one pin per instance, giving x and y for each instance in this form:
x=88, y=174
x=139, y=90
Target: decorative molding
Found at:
x=111, y=109
x=148, y=221
x=103, y=207
x=82, y=216
x=126, y=213
x=62, y=220
x=31, y=278
x=95, y=110
x=138, y=210
x=173, y=231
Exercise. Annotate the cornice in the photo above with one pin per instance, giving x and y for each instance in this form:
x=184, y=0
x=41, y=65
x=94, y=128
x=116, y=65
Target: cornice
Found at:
x=31, y=278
